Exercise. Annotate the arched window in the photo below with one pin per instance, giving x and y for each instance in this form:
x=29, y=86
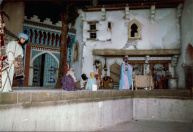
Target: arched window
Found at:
x=134, y=30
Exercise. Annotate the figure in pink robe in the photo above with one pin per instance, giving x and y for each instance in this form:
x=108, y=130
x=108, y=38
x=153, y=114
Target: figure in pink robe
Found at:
x=126, y=75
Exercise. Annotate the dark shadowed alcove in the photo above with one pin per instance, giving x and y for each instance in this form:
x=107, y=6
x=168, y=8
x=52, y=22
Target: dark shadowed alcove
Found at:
x=189, y=67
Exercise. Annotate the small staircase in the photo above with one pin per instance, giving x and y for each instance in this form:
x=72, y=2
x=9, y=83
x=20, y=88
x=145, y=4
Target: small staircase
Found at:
x=116, y=85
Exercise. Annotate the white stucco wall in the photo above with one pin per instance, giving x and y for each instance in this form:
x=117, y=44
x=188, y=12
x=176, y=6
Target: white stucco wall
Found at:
x=162, y=109
x=78, y=64
x=161, y=33
x=187, y=37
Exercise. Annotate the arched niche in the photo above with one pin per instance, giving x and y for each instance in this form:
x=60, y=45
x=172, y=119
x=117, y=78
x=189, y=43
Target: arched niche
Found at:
x=134, y=30
x=115, y=70
x=189, y=55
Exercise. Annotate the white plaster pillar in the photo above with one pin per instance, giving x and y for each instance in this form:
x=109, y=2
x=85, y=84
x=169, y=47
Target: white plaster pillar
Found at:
x=171, y=69
x=146, y=65
x=107, y=68
x=179, y=10
x=174, y=63
x=179, y=13
x=173, y=82
x=30, y=79
x=82, y=14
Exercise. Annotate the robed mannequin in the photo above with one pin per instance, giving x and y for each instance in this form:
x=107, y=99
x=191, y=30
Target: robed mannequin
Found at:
x=91, y=81
x=126, y=75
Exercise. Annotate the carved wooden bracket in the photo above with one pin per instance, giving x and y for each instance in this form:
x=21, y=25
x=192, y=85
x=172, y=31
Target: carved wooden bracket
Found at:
x=127, y=14
x=152, y=12
x=103, y=14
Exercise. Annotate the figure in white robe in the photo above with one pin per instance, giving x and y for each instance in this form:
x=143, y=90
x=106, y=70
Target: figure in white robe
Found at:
x=13, y=50
x=71, y=72
x=83, y=80
x=126, y=75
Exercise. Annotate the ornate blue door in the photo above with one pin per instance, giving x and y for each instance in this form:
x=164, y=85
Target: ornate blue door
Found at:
x=37, y=71
x=44, y=71
x=49, y=71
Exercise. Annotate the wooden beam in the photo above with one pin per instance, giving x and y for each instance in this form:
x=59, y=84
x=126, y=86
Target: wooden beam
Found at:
x=131, y=7
x=113, y=52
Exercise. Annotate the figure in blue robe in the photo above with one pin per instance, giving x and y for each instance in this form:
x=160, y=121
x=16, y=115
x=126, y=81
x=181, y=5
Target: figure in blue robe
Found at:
x=126, y=75
x=91, y=81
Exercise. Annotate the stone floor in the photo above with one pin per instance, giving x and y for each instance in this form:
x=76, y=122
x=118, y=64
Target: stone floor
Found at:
x=151, y=126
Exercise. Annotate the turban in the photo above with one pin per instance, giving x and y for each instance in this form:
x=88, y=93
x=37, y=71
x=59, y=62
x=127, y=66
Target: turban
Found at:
x=125, y=57
x=23, y=36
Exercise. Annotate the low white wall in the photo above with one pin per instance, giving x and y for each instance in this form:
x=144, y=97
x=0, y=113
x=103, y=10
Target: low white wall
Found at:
x=163, y=109
x=66, y=117
x=63, y=116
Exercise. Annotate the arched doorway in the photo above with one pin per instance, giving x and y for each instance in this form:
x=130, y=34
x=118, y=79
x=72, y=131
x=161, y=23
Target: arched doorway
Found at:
x=115, y=71
x=189, y=67
x=44, y=74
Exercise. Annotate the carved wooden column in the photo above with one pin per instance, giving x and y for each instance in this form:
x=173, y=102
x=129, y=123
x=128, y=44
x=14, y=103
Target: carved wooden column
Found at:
x=49, y=38
x=31, y=35
x=57, y=39
x=41, y=36
x=45, y=37
x=53, y=39
x=27, y=65
x=36, y=36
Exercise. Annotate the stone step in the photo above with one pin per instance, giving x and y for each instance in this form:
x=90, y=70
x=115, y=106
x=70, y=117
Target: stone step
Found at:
x=116, y=85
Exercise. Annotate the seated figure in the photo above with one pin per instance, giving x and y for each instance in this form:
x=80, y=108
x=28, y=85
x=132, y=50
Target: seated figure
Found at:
x=91, y=81
x=68, y=82
x=83, y=80
x=106, y=81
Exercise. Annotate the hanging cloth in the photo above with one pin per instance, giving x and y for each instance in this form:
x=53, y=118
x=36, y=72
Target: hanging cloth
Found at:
x=3, y=57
